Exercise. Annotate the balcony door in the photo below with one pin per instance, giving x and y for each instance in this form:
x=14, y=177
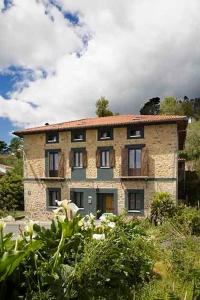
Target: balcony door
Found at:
x=53, y=164
x=134, y=162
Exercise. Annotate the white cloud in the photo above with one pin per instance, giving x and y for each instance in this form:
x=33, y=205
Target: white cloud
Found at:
x=139, y=49
x=30, y=38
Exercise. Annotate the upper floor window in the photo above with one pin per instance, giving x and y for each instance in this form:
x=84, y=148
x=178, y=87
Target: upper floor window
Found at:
x=105, y=133
x=105, y=158
x=52, y=137
x=135, y=131
x=135, y=200
x=78, y=135
x=53, y=195
x=78, y=158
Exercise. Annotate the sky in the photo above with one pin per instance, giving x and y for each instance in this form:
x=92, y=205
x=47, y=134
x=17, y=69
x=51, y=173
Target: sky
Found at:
x=57, y=57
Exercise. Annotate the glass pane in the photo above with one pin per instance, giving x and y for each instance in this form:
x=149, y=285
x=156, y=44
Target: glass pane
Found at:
x=131, y=201
x=139, y=201
x=51, y=165
x=105, y=134
x=53, y=196
x=138, y=158
x=76, y=159
x=107, y=158
x=56, y=161
x=131, y=159
x=103, y=158
x=81, y=159
x=52, y=138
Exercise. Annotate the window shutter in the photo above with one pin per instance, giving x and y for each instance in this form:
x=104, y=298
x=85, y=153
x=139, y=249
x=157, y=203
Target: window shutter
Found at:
x=112, y=158
x=71, y=158
x=61, y=166
x=46, y=163
x=98, y=158
x=84, y=158
x=144, y=161
x=124, y=162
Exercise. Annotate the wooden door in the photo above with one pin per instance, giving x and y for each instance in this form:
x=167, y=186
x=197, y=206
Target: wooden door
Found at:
x=109, y=203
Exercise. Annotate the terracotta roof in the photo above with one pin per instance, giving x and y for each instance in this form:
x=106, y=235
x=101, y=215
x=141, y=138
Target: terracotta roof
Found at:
x=104, y=121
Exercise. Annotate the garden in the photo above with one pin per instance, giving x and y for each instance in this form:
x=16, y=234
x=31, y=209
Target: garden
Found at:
x=118, y=258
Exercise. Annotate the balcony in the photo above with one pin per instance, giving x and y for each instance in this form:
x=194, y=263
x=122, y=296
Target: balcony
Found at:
x=134, y=163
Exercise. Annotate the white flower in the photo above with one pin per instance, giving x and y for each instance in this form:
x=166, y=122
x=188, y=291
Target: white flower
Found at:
x=2, y=224
x=111, y=224
x=67, y=205
x=98, y=236
x=29, y=227
x=81, y=223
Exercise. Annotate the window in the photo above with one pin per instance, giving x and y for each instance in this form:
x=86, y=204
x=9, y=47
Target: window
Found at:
x=105, y=159
x=52, y=137
x=78, y=199
x=78, y=159
x=78, y=135
x=53, y=163
x=105, y=133
x=136, y=200
x=135, y=131
x=134, y=162
x=53, y=195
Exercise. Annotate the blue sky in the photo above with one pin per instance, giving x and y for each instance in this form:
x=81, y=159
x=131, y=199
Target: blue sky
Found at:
x=6, y=85
x=57, y=57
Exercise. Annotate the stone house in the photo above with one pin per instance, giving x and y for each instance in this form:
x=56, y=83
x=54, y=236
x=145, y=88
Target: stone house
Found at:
x=105, y=164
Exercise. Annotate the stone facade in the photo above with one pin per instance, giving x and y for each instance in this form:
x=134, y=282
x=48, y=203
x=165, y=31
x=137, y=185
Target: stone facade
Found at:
x=161, y=141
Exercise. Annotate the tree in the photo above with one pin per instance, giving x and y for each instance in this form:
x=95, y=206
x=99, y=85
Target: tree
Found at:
x=11, y=188
x=170, y=106
x=16, y=147
x=151, y=107
x=102, y=108
x=3, y=147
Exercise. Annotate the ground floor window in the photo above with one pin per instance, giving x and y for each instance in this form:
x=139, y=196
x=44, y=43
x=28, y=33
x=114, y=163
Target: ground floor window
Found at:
x=135, y=200
x=53, y=195
x=77, y=198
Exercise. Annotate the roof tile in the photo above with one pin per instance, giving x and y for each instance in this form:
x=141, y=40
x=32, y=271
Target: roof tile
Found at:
x=104, y=121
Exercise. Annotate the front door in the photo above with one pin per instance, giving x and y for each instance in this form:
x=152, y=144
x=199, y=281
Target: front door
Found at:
x=105, y=204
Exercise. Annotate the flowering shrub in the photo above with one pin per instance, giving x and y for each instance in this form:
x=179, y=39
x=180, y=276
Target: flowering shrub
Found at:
x=75, y=259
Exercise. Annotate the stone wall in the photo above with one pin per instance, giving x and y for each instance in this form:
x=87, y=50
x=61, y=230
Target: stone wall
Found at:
x=162, y=144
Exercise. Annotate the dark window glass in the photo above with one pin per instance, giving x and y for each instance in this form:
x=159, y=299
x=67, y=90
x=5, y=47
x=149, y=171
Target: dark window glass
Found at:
x=78, y=159
x=78, y=135
x=54, y=194
x=135, y=201
x=53, y=164
x=134, y=158
x=135, y=131
x=78, y=199
x=105, y=133
x=105, y=159
x=52, y=137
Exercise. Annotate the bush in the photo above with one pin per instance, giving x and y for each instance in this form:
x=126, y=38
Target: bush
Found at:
x=162, y=207
x=187, y=219
x=11, y=189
